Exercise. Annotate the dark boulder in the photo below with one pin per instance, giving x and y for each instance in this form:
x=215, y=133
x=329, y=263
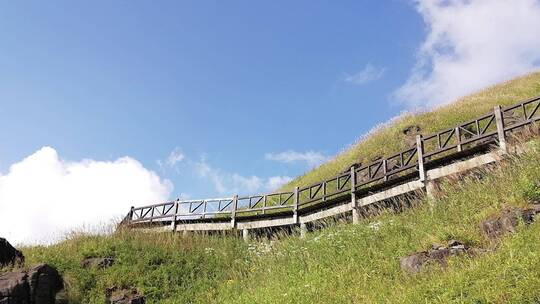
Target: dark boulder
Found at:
x=9, y=255
x=410, y=133
x=412, y=130
x=508, y=221
x=39, y=285
x=414, y=262
x=438, y=254
x=45, y=282
x=14, y=288
x=100, y=263
x=126, y=296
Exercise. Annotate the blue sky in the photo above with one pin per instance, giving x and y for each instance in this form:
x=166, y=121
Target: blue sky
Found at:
x=225, y=81
x=215, y=97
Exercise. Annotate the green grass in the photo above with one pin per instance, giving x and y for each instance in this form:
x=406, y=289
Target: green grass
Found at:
x=360, y=264
x=342, y=263
x=164, y=267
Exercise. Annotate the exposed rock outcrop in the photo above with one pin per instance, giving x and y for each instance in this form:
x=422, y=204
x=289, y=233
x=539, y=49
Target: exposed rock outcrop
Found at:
x=508, y=221
x=39, y=285
x=438, y=254
x=100, y=263
x=9, y=255
x=125, y=296
x=410, y=133
x=412, y=130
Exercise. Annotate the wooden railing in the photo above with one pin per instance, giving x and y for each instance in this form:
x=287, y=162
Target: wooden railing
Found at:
x=493, y=127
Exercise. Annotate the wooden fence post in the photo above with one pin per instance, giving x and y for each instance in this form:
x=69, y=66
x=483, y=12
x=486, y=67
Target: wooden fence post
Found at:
x=354, y=204
x=295, y=207
x=233, y=212
x=245, y=235
x=500, y=129
x=420, y=152
x=303, y=230
x=458, y=135
x=385, y=169
x=173, y=224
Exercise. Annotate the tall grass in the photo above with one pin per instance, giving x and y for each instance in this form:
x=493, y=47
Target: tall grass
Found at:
x=360, y=263
x=166, y=268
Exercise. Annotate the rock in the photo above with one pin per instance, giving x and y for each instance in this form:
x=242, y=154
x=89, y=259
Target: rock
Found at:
x=457, y=246
x=9, y=255
x=436, y=246
x=412, y=130
x=410, y=135
x=414, y=262
x=45, y=282
x=14, y=288
x=37, y=286
x=492, y=228
x=438, y=254
x=508, y=221
x=126, y=296
x=100, y=263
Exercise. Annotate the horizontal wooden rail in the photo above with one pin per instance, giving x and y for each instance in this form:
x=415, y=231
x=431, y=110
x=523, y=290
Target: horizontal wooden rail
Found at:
x=493, y=127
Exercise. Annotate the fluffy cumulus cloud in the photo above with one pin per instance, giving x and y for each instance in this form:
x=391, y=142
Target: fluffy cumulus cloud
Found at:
x=311, y=158
x=228, y=184
x=368, y=74
x=471, y=44
x=43, y=196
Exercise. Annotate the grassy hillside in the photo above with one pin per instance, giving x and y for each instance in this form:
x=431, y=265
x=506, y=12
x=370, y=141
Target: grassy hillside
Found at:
x=343, y=263
x=388, y=138
x=360, y=263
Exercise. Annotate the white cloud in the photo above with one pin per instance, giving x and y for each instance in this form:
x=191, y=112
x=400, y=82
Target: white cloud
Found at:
x=275, y=182
x=368, y=74
x=226, y=183
x=312, y=158
x=176, y=156
x=471, y=44
x=229, y=184
x=43, y=196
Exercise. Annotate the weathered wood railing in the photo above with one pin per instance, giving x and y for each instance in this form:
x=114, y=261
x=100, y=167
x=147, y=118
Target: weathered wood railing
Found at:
x=487, y=129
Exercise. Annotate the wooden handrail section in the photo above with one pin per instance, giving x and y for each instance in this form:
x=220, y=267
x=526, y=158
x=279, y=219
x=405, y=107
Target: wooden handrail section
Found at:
x=412, y=169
